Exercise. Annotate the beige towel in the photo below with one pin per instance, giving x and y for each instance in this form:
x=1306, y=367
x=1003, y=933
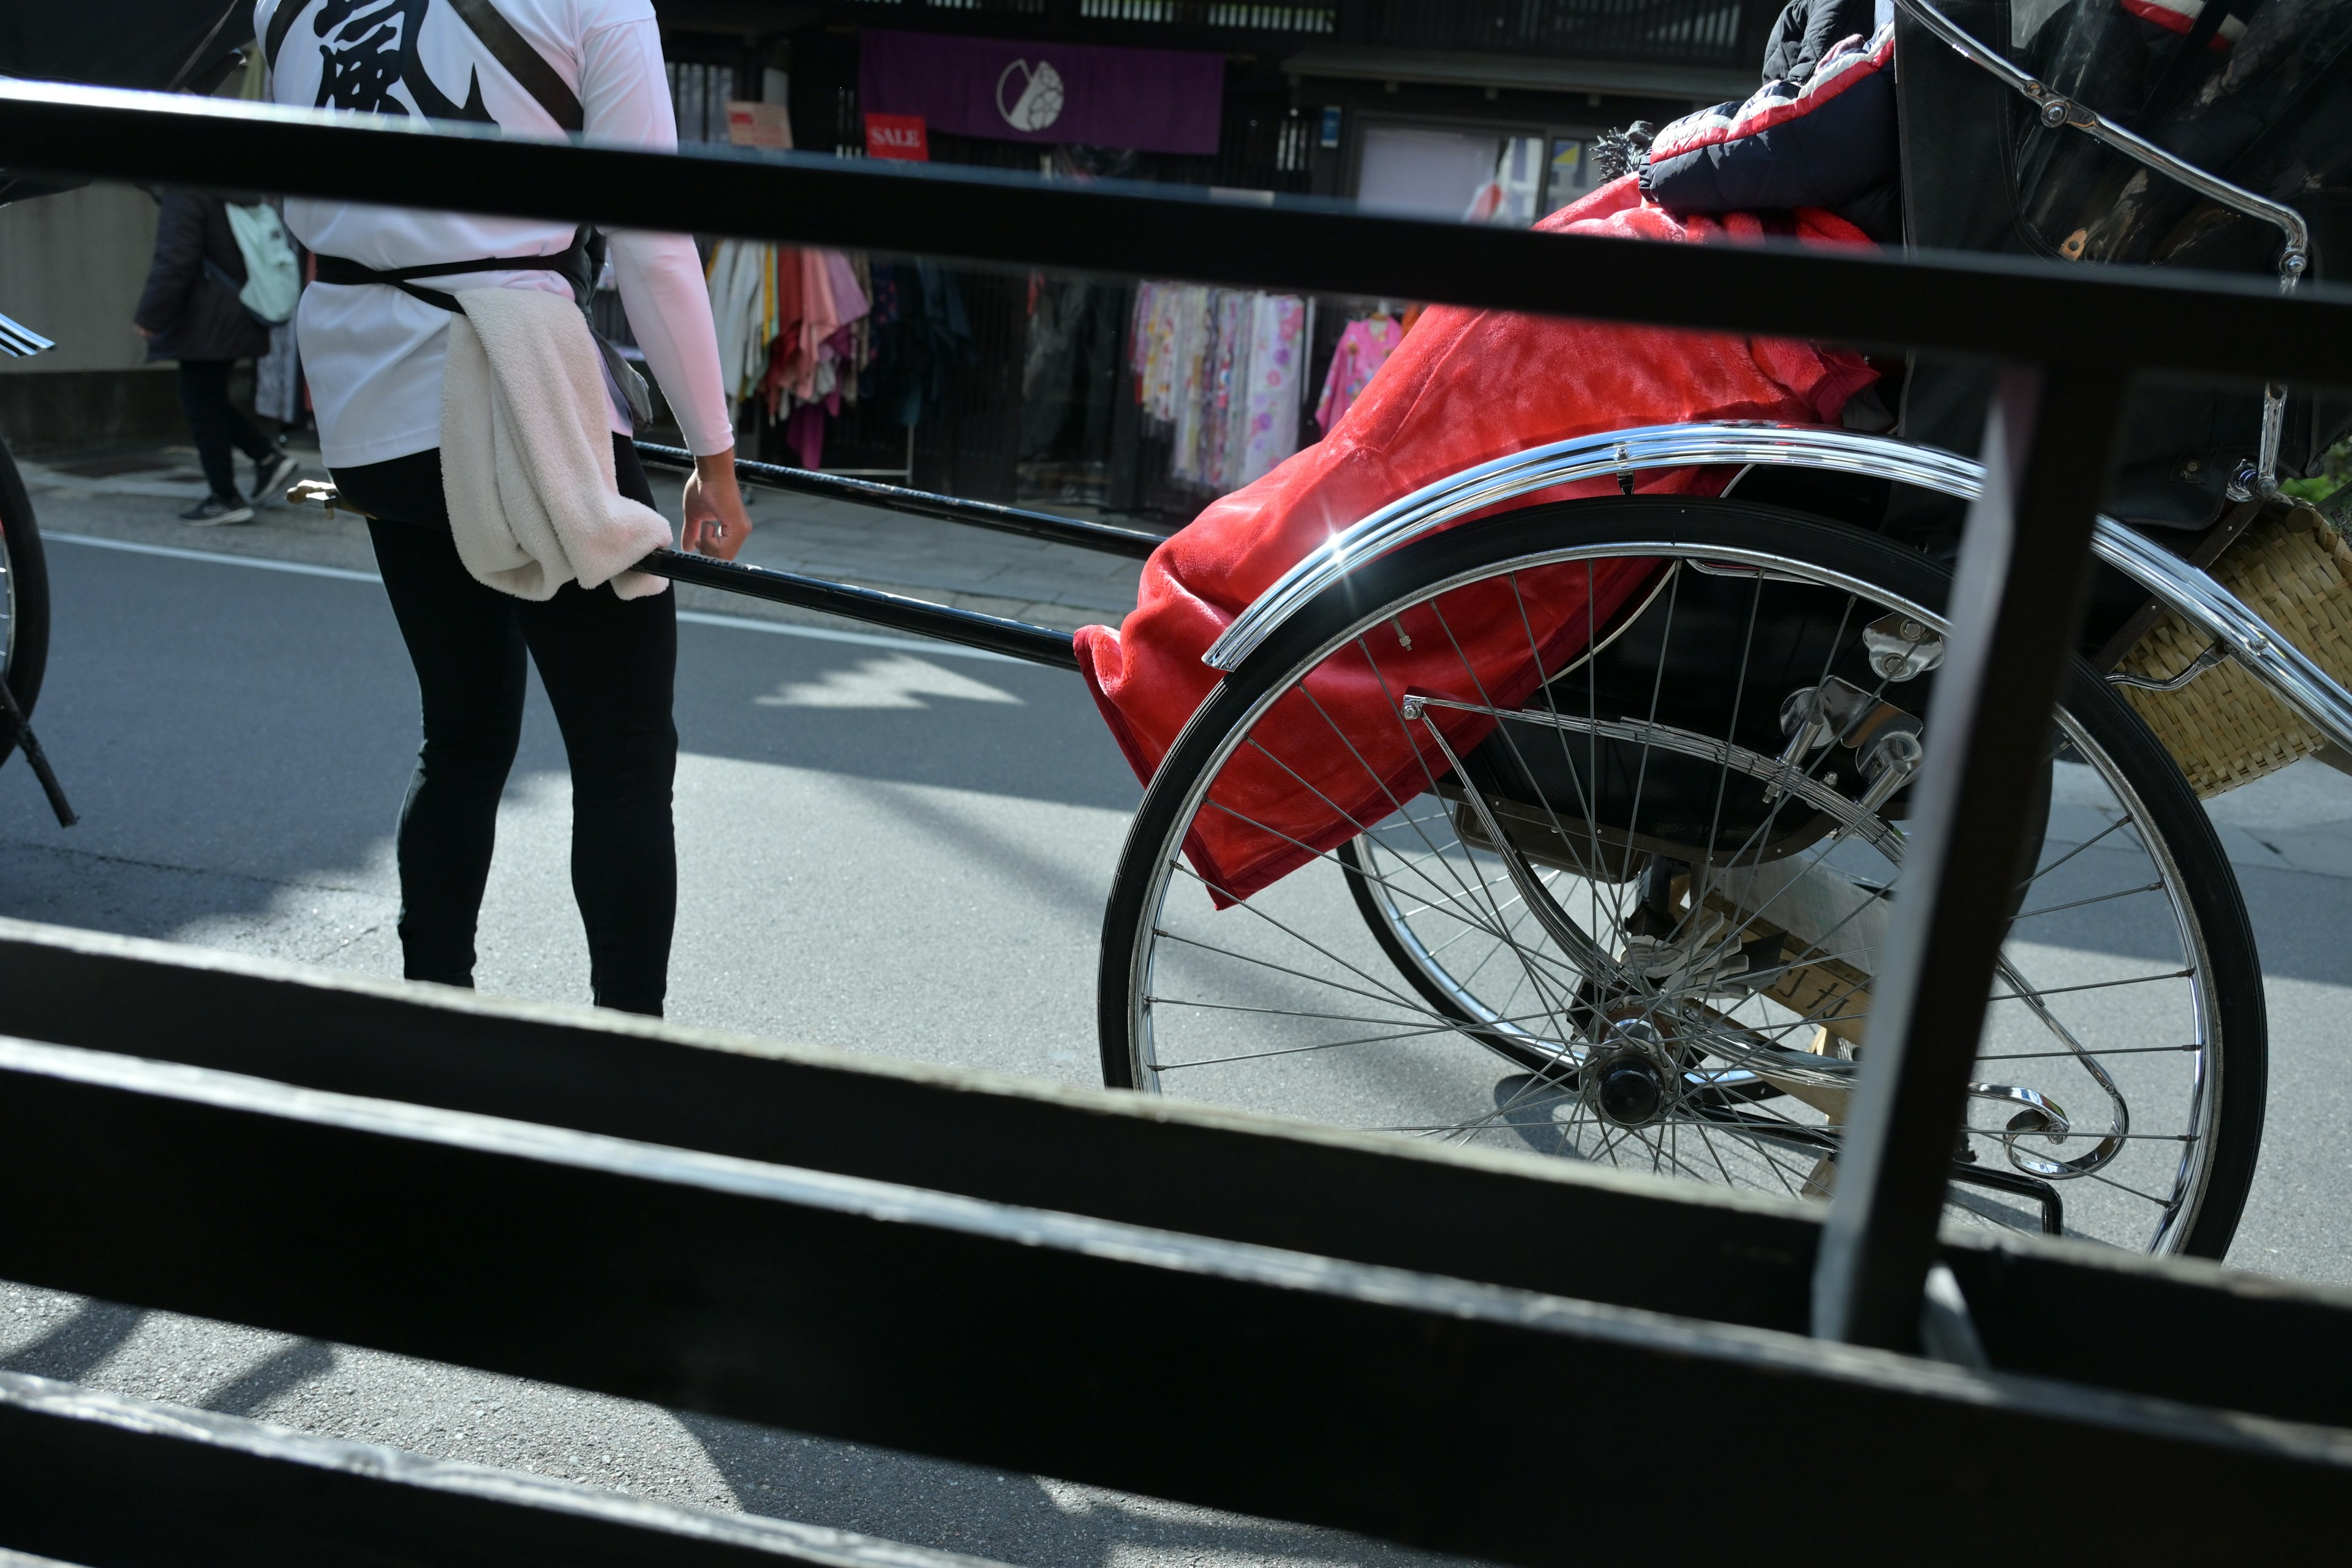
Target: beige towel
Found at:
x=526, y=452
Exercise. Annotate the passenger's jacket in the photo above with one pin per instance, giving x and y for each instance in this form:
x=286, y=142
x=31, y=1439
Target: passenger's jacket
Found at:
x=191, y=308
x=1829, y=143
x=1808, y=30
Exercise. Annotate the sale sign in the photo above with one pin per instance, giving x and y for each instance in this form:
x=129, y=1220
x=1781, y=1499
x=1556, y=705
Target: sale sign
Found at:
x=1156, y=101
x=901, y=136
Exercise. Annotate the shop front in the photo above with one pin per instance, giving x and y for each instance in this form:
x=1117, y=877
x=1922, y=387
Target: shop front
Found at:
x=1141, y=396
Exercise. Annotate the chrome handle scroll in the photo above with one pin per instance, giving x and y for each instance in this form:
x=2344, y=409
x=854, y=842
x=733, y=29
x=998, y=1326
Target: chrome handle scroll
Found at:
x=2057, y=110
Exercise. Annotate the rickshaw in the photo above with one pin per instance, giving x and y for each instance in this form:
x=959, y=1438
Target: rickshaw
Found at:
x=1649, y=890
x=1653, y=890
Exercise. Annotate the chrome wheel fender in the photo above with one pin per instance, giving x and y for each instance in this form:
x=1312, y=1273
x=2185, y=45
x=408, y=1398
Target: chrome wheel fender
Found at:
x=2236, y=630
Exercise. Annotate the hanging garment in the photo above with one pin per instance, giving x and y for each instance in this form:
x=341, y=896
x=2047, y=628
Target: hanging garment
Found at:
x=1194, y=379
x=1364, y=347
x=1217, y=425
x=1069, y=371
x=819, y=320
x=1140, y=341
x=934, y=341
x=738, y=309
x=1466, y=387
x=1271, y=431
x=861, y=342
x=849, y=297
x=785, y=336
x=805, y=433
x=1220, y=370
x=1155, y=349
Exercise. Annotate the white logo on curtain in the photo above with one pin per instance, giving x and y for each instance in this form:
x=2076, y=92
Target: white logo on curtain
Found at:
x=1037, y=96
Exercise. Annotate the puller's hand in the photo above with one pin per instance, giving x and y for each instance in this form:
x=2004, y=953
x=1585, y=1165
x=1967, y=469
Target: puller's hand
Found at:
x=716, y=523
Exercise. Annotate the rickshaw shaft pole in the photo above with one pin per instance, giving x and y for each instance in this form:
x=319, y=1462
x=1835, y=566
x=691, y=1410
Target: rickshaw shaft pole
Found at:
x=2015, y=603
x=1131, y=543
x=22, y=733
x=1017, y=640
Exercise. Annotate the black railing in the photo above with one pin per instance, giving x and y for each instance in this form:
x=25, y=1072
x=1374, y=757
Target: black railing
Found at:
x=1696, y=32
x=1529, y=1363
x=1683, y=32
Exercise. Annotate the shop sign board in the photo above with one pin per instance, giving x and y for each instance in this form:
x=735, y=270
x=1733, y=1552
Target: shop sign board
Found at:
x=901, y=136
x=753, y=124
x=1154, y=100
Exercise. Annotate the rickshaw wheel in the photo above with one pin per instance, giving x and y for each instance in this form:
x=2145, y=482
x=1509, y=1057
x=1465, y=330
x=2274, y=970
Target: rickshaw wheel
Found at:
x=1620, y=927
x=24, y=598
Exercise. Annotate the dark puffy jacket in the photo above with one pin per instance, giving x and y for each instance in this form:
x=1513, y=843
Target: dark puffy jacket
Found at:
x=1828, y=143
x=192, y=314
x=1807, y=30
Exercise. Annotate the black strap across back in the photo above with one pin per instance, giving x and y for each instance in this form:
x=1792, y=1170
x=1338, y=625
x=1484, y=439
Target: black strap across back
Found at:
x=509, y=48
x=572, y=263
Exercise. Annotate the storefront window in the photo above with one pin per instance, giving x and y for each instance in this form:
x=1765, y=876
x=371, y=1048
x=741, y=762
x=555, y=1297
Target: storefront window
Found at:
x=1473, y=176
x=1570, y=173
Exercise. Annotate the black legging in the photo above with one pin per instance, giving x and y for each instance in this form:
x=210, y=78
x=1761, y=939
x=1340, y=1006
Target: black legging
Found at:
x=216, y=426
x=607, y=664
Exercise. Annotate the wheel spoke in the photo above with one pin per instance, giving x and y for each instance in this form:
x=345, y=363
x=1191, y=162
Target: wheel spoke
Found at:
x=1679, y=984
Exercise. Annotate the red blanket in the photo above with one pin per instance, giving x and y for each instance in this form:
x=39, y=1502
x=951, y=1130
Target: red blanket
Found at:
x=1464, y=387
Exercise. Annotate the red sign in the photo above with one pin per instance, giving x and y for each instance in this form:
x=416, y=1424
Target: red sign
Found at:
x=901, y=136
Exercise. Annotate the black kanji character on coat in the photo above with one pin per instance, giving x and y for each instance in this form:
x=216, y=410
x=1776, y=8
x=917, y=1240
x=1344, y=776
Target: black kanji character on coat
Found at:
x=368, y=47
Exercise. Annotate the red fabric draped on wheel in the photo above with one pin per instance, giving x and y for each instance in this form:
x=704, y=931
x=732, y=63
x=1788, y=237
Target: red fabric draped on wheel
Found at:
x=1464, y=387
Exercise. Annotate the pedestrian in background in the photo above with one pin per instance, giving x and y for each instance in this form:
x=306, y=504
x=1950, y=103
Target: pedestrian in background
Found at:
x=190, y=313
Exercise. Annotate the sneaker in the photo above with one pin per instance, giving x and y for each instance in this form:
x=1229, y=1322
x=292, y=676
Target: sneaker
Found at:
x=270, y=477
x=212, y=511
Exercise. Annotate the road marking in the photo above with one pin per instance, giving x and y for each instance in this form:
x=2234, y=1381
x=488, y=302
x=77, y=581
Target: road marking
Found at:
x=692, y=617
x=884, y=683
x=301, y=568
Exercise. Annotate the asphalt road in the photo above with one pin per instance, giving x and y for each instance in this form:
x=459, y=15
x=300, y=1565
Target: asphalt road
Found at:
x=889, y=848
x=894, y=850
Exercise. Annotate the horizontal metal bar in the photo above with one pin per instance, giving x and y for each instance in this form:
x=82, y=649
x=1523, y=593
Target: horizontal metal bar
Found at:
x=2088, y=1315
x=1152, y=1162
x=1071, y=530
x=2029, y=309
x=1265, y=1382
x=102, y=1479
x=1020, y=639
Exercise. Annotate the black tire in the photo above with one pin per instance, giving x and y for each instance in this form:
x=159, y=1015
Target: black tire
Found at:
x=25, y=587
x=2238, y=1066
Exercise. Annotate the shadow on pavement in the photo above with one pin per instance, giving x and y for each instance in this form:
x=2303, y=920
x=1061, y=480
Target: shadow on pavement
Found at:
x=991, y=1513
x=73, y=1350
x=290, y=1368
x=235, y=738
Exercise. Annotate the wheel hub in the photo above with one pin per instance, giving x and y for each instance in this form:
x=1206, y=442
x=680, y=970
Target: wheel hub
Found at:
x=1629, y=1081
x=1627, y=1092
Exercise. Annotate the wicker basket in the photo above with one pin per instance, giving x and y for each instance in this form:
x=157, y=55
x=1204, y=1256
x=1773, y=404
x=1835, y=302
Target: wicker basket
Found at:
x=2296, y=572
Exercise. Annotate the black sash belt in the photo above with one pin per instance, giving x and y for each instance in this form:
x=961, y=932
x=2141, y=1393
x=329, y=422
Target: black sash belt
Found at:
x=572, y=263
